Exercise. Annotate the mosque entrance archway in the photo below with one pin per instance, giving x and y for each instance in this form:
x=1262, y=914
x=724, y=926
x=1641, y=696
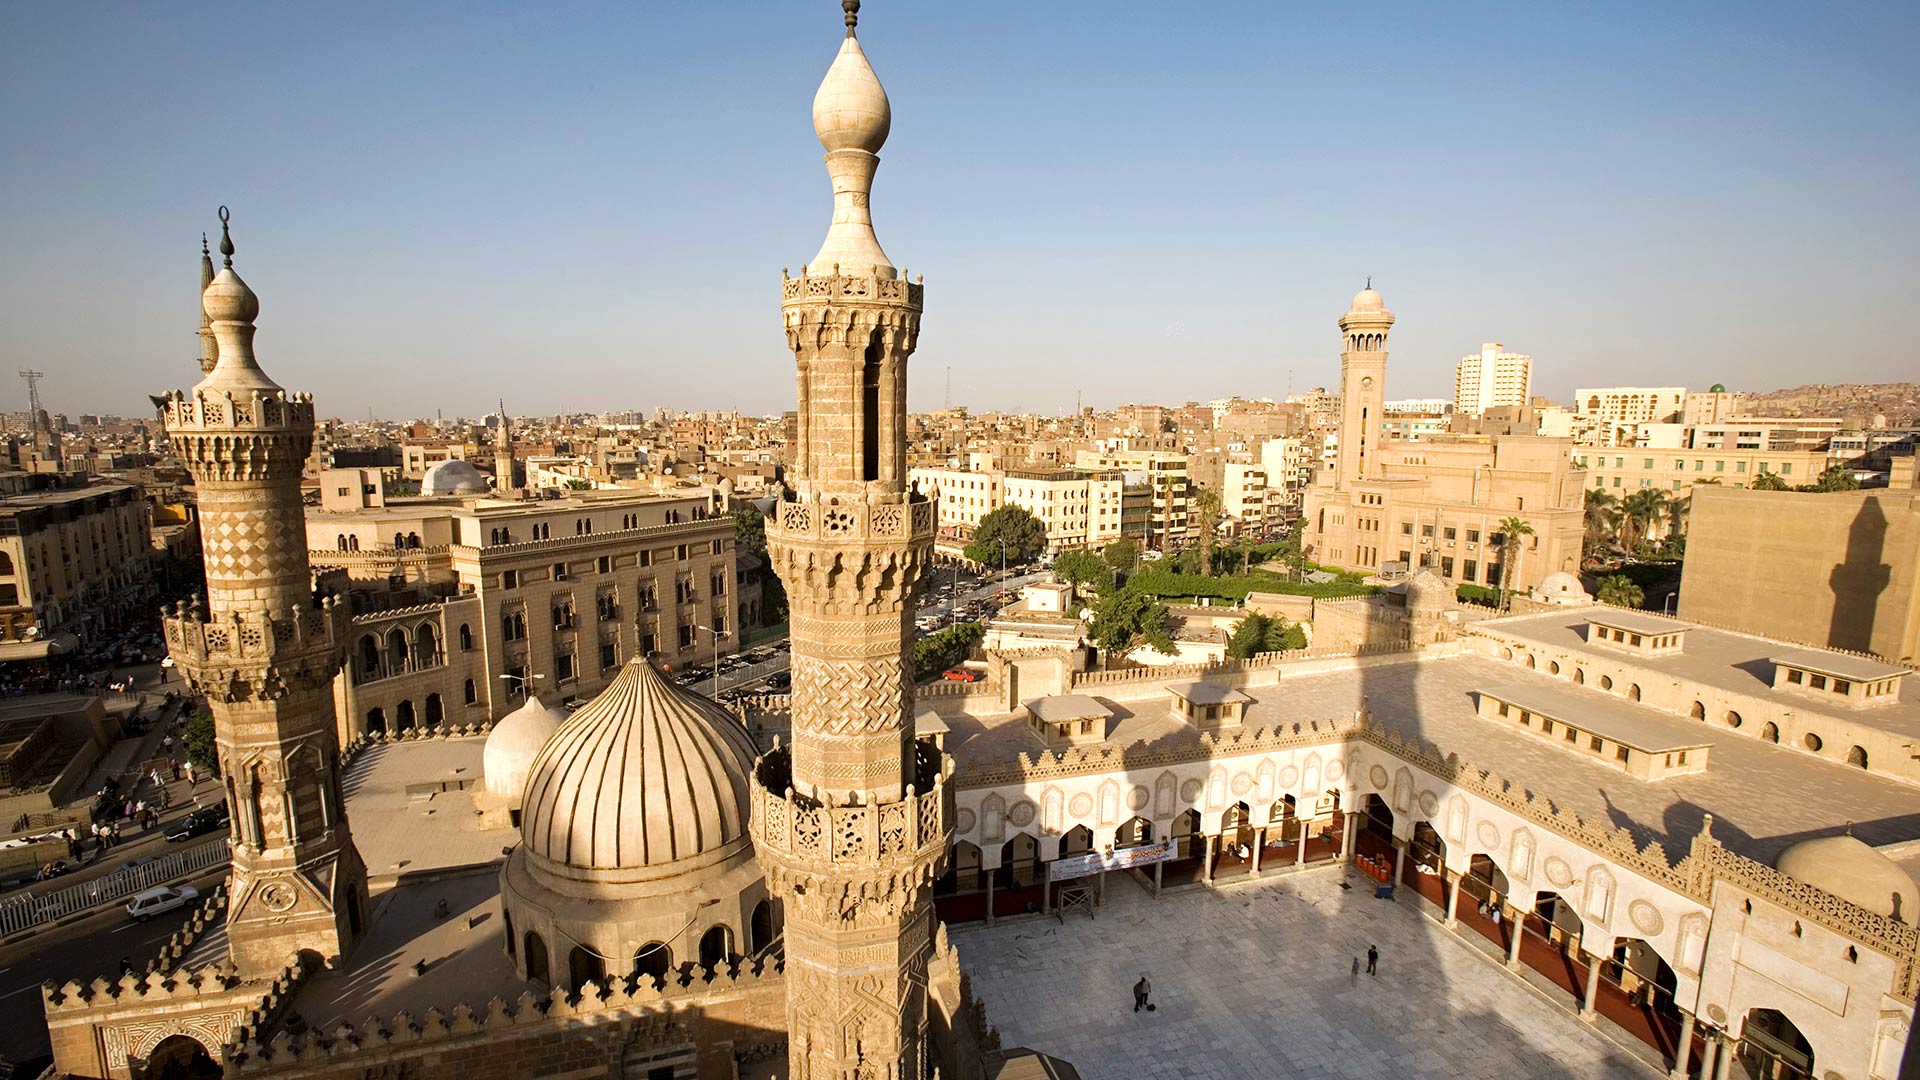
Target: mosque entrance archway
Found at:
x=180, y=1057
x=1557, y=920
x=1646, y=983
x=716, y=947
x=584, y=968
x=1186, y=835
x=1772, y=1048
x=653, y=960
x=1020, y=858
x=1486, y=882
x=963, y=871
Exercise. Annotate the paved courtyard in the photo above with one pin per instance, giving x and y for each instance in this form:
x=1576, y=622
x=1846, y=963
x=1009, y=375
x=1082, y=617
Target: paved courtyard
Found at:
x=1255, y=981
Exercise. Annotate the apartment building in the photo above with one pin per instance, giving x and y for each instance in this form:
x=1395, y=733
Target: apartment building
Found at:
x=1621, y=470
x=1492, y=377
x=74, y=557
x=1170, y=524
x=1078, y=508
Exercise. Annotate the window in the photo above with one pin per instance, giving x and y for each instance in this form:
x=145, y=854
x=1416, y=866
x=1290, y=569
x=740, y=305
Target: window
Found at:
x=1620, y=752
x=563, y=666
x=1719, y=466
x=603, y=565
x=1818, y=682
x=646, y=559
x=1786, y=468
x=686, y=635
x=1468, y=569
x=1841, y=686
x=563, y=614
x=719, y=546
x=1503, y=708
x=559, y=571
x=1426, y=531
x=513, y=625
x=1616, y=481
x=1446, y=566
x=1594, y=744
x=608, y=655
x=466, y=638
x=648, y=646
x=1646, y=463
x=1572, y=734
x=1739, y=466
x=1546, y=725
x=1406, y=528
x=606, y=607
x=717, y=584
x=509, y=579
x=1794, y=676
x=680, y=552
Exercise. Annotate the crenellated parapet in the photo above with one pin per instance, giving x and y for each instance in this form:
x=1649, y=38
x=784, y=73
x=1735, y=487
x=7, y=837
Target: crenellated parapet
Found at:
x=812, y=291
x=863, y=555
x=223, y=436
x=249, y=654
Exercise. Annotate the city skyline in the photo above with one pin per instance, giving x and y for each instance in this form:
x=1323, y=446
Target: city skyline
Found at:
x=555, y=191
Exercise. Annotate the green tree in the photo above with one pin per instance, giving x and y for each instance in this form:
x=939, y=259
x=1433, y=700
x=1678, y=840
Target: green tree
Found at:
x=750, y=531
x=1206, y=506
x=1511, y=530
x=1642, y=509
x=1262, y=633
x=1084, y=568
x=577, y=484
x=1835, y=478
x=1771, y=481
x=1127, y=618
x=1601, y=522
x=1121, y=553
x=1007, y=535
x=197, y=740
x=1620, y=591
x=945, y=648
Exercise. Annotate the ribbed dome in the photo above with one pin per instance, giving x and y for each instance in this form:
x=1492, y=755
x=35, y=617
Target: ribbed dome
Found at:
x=513, y=744
x=1849, y=869
x=643, y=776
x=850, y=110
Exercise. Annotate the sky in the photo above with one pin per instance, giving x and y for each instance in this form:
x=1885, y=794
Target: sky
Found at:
x=582, y=208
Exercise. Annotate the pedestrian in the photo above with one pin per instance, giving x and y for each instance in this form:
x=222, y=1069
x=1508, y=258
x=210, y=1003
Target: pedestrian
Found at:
x=1356, y=970
x=1373, y=960
x=126, y=965
x=166, y=741
x=1141, y=990
x=174, y=763
x=191, y=779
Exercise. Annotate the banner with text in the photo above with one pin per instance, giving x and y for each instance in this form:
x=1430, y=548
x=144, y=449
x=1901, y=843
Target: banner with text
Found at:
x=1079, y=866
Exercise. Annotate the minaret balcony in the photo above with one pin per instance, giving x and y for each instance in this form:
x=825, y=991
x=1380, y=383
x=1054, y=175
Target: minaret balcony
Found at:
x=251, y=638
x=838, y=287
x=222, y=411
x=836, y=520
x=802, y=833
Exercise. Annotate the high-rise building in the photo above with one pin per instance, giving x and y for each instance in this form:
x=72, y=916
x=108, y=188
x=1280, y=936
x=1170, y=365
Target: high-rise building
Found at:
x=1491, y=378
x=264, y=651
x=850, y=819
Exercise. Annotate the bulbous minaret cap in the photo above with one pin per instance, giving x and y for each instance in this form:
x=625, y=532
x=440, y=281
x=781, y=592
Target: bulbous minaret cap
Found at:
x=228, y=299
x=1366, y=301
x=850, y=110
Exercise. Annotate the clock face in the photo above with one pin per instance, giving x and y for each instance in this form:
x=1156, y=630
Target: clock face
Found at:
x=1366, y=382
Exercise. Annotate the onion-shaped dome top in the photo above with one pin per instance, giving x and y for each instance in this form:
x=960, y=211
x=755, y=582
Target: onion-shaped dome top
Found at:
x=1561, y=587
x=645, y=777
x=1849, y=869
x=850, y=110
x=1428, y=591
x=513, y=744
x=453, y=478
x=229, y=299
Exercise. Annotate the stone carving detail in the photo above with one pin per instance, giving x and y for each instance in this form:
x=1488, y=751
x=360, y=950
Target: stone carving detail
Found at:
x=1489, y=835
x=1081, y=806
x=1138, y=798
x=1021, y=814
x=1558, y=872
x=1646, y=918
x=1190, y=791
x=1378, y=775
x=963, y=820
x=1429, y=805
x=1289, y=775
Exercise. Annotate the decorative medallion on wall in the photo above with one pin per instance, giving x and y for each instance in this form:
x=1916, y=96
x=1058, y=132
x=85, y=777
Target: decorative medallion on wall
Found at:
x=1558, y=871
x=1081, y=805
x=1489, y=834
x=1289, y=775
x=1429, y=804
x=1242, y=783
x=1716, y=1014
x=1378, y=774
x=1335, y=769
x=1646, y=918
x=1020, y=814
x=963, y=820
x=1190, y=791
x=1137, y=799
x=278, y=896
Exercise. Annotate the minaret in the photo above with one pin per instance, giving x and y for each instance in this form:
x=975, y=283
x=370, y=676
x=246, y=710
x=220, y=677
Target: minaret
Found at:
x=503, y=451
x=209, y=344
x=1363, y=387
x=851, y=820
x=264, y=651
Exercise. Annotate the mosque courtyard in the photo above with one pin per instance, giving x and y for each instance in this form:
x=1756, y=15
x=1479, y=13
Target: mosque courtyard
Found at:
x=1256, y=981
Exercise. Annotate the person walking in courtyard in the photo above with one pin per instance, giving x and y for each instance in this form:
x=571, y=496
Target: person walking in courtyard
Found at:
x=1141, y=990
x=1373, y=960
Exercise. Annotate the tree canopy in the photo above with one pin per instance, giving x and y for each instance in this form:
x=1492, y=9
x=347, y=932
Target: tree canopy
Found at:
x=1620, y=591
x=197, y=740
x=1262, y=633
x=943, y=649
x=1121, y=553
x=1835, y=478
x=750, y=531
x=1009, y=534
x=1127, y=618
x=1084, y=568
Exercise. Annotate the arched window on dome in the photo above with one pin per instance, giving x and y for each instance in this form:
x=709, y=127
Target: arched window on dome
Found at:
x=535, y=951
x=1857, y=757
x=716, y=946
x=764, y=927
x=653, y=960
x=584, y=968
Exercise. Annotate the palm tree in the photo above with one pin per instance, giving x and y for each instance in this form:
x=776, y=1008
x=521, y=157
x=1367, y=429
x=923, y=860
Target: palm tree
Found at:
x=1771, y=481
x=1511, y=530
x=1620, y=591
x=1602, y=509
x=1642, y=509
x=1206, y=503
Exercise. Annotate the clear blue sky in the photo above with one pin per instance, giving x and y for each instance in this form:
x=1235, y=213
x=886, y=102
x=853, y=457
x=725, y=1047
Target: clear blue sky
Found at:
x=589, y=207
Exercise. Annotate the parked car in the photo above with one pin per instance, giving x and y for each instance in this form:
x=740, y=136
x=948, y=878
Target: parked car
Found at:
x=780, y=680
x=201, y=821
x=962, y=675
x=164, y=898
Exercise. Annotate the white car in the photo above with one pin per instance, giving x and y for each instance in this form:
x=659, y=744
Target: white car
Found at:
x=164, y=898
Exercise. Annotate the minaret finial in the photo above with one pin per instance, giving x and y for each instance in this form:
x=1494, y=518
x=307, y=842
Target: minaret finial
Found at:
x=1369, y=281
x=203, y=244
x=226, y=238
x=852, y=8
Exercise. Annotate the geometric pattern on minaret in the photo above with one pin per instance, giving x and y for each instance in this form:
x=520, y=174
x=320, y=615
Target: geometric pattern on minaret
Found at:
x=852, y=818
x=264, y=651
x=1363, y=387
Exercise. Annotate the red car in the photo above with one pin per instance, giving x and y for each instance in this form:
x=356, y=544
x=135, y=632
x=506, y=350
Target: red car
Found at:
x=962, y=675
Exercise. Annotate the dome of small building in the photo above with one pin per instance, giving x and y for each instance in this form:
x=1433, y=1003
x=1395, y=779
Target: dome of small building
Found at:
x=1561, y=587
x=453, y=478
x=1851, y=870
x=513, y=744
x=1428, y=591
x=1367, y=300
x=646, y=780
x=850, y=110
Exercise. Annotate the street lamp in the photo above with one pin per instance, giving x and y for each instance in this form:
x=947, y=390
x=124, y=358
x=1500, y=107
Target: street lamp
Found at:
x=522, y=680
x=717, y=635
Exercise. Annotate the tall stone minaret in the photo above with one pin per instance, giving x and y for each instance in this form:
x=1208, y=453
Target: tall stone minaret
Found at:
x=209, y=345
x=1363, y=387
x=503, y=451
x=264, y=651
x=851, y=820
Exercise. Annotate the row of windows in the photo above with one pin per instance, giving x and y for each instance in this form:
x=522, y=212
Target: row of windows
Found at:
x=510, y=579
x=1680, y=465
